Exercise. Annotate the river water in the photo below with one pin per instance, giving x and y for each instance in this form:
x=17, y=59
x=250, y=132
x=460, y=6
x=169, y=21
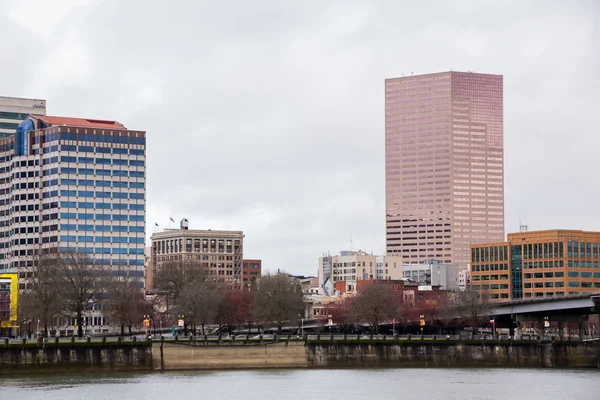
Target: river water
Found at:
x=420, y=384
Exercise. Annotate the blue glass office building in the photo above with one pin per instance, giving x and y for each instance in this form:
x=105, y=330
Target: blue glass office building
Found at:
x=73, y=184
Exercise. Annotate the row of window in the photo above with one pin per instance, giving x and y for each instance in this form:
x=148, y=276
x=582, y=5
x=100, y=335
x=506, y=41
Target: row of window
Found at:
x=101, y=228
x=102, y=217
x=100, y=138
x=107, y=206
x=103, y=161
x=104, y=250
x=99, y=183
x=99, y=195
x=102, y=172
x=100, y=239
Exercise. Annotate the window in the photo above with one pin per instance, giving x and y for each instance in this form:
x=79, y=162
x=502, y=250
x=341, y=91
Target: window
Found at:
x=103, y=239
x=103, y=217
x=119, y=251
x=136, y=174
x=118, y=239
x=105, y=161
x=68, y=159
x=85, y=228
x=86, y=160
x=118, y=195
x=136, y=163
x=85, y=204
x=103, y=183
x=103, y=172
x=85, y=239
x=67, y=215
x=136, y=229
x=120, y=184
x=67, y=193
x=67, y=227
x=64, y=170
x=573, y=274
x=120, y=162
x=85, y=216
x=103, y=206
x=68, y=204
x=137, y=218
x=103, y=228
x=119, y=173
x=119, y=228
x=136, y=196
x=102, y=250
x=68, y=182
x=68, y=238
x=136, y=185
x=136, y=240
x=574, y=284
x=103, y=195
x=86, y=193
x=86, y=171
x=117, y=217
x=119, y=206
x=86, y=182
x=586, y=274
x=119, y=151
x=136, y=152
x=136, y=207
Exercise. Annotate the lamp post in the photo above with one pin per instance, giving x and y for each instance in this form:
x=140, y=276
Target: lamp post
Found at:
x=146, y=323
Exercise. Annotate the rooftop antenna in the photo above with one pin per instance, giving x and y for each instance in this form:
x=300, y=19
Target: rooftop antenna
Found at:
x=350, y=242
x=522, y=228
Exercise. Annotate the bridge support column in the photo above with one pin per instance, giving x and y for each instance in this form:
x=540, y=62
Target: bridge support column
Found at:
x=580, y=329
x=561, y=330
x=546, y=354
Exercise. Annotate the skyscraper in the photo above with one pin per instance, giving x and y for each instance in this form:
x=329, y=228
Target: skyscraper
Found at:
x=73, y=184
x=444, y=165
x=13, y=110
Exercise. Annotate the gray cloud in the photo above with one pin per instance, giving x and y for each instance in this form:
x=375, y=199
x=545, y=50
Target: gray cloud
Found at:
x=267, y=116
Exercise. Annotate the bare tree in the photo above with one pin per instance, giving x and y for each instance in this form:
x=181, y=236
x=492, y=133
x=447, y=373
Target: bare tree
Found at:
x=473, y=307
x=343, y=315
x=200, y=302
x=124, y=298
x=376, y=303
x=80, y=283
x=278, y=299
x=41, y=299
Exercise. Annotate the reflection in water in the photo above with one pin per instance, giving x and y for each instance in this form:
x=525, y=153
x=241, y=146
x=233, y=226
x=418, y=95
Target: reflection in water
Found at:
x=430, y=384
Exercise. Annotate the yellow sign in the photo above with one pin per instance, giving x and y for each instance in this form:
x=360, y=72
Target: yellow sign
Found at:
x=422, y=322
x=9, y=296
x=146, y=322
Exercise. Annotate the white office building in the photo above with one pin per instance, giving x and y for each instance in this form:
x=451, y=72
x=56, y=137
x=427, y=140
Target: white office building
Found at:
x=13, y=110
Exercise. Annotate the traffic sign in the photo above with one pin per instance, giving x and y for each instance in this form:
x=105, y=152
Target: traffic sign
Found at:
x=180, y=323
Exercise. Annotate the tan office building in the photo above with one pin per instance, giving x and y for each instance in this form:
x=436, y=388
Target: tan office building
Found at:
x=220, y=251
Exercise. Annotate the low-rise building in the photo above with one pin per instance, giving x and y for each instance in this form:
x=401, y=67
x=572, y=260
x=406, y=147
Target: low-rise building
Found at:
x=221, y=252
x=251, y=271
x=350, y=267
x=537, y=264
x=433, y=272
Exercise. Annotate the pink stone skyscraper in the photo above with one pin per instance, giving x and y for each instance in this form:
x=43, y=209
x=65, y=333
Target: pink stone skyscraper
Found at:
x=444, y=165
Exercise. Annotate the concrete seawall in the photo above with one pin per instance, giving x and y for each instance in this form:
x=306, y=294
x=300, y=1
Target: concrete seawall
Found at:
x=40, y=357
x=484, y=354
x=84, y=356
x=190, y=357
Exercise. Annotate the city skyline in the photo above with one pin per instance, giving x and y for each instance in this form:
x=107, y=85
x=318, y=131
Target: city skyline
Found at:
x=274, y=126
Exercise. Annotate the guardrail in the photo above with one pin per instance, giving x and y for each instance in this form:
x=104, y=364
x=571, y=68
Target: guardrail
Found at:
x=76, y=341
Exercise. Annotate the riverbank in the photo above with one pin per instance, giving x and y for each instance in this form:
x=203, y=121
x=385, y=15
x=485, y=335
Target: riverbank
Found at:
x=40, y=357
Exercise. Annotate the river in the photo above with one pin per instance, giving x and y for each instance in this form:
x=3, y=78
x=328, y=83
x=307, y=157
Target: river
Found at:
x=423, y=384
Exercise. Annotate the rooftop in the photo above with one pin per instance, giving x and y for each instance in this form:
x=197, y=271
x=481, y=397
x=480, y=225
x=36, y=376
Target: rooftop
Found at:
x=83, y=122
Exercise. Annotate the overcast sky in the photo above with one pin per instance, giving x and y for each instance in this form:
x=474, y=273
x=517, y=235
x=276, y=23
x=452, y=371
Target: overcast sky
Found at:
x=268, y=115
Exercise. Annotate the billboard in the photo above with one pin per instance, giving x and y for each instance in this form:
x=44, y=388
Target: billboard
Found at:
x=9, y=293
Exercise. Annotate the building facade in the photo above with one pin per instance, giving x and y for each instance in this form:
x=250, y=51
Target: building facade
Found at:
x=433, y=273
x=73, y=184
x=251, y=271
x=221, y=252
x=350, y=267
x=13, y=110
x=444, y=165
x=537, y=264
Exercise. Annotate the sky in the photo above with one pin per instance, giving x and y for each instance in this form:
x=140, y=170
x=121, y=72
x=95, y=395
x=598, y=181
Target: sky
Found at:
x=267, y=116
